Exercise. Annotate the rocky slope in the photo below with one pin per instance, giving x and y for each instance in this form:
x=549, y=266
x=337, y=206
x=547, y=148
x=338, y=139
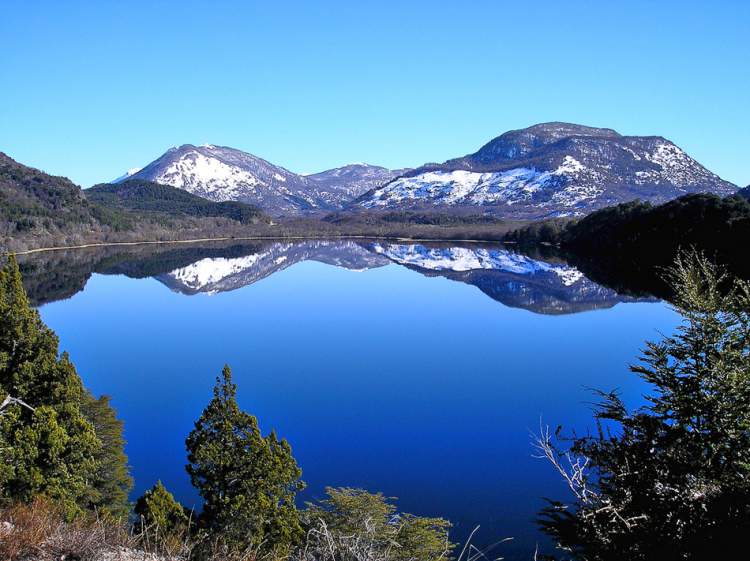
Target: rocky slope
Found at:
x=354, y=180
x=551, y=169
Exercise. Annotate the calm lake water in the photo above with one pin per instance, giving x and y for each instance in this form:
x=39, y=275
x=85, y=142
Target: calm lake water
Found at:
x=414, y=370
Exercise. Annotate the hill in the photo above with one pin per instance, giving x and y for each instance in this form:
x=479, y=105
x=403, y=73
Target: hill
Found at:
x=34, y=202
x=146, y=196
x=635, y=240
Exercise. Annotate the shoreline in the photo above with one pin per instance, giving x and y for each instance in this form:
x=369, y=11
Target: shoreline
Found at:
x=253, y=238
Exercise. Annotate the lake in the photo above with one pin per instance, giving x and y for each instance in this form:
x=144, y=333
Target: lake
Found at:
x=413, y=369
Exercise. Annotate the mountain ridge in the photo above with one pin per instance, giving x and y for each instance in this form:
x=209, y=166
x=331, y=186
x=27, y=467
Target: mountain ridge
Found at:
x=222, y=173
x=551, y=169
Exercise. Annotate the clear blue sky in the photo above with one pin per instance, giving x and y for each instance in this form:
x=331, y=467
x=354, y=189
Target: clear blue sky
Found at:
x=89, y=89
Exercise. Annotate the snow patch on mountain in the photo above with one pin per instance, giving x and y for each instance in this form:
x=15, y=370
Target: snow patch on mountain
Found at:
x=213, y=178
x=461, y=187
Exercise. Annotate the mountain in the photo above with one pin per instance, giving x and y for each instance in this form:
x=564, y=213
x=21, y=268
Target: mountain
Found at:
x=219, y=173
x=141, y=195
x=551, y=169
x=356, y=179
x=744, y=192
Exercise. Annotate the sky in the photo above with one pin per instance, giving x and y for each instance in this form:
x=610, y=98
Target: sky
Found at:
x=90, y=89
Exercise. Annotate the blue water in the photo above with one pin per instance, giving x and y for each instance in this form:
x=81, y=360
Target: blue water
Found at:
x=421, y=387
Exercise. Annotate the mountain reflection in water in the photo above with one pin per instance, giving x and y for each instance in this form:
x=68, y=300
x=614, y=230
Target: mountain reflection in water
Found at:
x=507, y=276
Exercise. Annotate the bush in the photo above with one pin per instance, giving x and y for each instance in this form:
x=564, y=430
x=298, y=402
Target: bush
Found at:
x=353, y=524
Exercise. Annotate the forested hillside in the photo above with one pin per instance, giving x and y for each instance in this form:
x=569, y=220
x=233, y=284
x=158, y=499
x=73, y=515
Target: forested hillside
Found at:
x=33, y=201
x=636, y=239
x=141, y=195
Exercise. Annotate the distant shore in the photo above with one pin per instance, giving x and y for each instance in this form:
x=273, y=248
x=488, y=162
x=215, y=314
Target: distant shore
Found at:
x=255, y=238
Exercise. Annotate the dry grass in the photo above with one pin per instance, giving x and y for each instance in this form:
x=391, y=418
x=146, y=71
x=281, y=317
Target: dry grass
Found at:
x=39, y=532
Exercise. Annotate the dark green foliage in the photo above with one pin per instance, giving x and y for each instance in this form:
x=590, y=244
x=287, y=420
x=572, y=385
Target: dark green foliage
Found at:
x=671, y=480
x=33, y=201
x=53, y=450
x=545, y=231
x=356, y=516
x=705, y=221
x=744, y=192
x=636, y=241
x=158, y=508
x=248, y=482
x=112, y=479
x=140, y=195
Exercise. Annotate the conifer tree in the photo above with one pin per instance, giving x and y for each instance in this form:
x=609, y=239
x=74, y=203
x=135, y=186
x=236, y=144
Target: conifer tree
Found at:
x=158, y=507
x=112, y=480
x=670, y=480
x=248, y=482
x=52, y=450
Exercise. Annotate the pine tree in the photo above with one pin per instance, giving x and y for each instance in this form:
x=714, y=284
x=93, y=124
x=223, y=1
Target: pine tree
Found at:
x=248, y=482
x=54, y=449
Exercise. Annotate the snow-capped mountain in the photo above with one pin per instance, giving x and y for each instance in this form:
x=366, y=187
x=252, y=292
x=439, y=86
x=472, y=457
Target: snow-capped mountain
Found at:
x=551, y=169
x=219, y=173
x=356, y=179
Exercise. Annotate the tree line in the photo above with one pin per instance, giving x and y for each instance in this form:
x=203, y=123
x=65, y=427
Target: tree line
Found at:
x=651, y=235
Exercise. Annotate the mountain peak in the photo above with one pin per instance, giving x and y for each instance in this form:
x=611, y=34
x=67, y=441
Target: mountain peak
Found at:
x=516, y=143
x=560, y=129
x=553, y=169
